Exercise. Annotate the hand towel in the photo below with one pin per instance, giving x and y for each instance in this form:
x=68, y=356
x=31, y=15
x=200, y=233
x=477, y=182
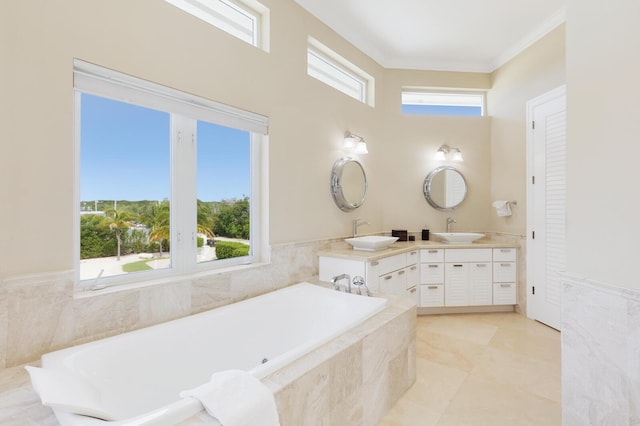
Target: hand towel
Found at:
x=236, y=398
x=503, y=208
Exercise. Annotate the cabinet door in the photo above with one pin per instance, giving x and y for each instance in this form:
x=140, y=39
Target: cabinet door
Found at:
x=388, y=283
x=504, y=293
x=413, y=277
x=480, y=284
x=431, y=273
x=413, y=294
x=456, y=292
x=431, y=295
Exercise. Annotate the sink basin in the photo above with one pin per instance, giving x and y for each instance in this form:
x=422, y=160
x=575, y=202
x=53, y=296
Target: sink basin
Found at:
x=458, y=237
x=371, y=242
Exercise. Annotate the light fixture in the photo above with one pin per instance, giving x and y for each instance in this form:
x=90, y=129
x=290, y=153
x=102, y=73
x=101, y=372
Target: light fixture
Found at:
x=441, y=154
x=351, y=141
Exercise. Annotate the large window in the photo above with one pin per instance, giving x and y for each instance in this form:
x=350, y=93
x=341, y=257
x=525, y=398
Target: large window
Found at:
x=439, y=102
x=332, y=69
x=168, y=182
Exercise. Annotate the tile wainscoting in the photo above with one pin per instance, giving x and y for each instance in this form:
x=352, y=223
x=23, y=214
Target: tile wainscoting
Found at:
x=42, y=313
x=600, y=354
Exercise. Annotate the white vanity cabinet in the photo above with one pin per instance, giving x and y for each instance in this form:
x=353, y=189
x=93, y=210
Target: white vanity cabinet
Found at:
x=459, y=277
x=397, y=274
x=431, y=277
x=504, y=276
x=468, y=277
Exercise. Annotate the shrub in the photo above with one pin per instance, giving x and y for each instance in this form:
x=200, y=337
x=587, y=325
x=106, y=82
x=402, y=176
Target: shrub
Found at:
x=200, y=242
x=228, y=249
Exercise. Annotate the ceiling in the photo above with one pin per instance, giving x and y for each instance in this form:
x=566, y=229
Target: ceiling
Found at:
x=452, y=35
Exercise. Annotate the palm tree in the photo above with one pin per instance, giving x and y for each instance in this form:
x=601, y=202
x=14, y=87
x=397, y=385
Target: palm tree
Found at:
x=157, y=217
x=118, y=221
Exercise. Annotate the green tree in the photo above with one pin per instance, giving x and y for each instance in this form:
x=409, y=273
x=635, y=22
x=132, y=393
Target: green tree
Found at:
x=157, y=217
x=96, y=239
x=118, y=221
x=232, y=219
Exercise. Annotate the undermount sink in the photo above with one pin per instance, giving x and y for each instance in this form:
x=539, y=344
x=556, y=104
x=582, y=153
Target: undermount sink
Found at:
x=371, y=242
x=458, y=237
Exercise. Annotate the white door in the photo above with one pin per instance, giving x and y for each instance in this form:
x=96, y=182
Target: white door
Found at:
x=546, y=205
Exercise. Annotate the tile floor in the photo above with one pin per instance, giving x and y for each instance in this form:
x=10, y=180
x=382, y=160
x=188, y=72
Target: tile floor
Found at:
x=482, y=369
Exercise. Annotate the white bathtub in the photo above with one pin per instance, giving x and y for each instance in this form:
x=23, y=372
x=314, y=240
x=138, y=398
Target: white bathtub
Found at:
x=141, y=373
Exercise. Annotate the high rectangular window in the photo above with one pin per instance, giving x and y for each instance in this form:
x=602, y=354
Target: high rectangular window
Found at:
x=443, y=103
x=247, y=20
x=169, y=183
x=334, y=70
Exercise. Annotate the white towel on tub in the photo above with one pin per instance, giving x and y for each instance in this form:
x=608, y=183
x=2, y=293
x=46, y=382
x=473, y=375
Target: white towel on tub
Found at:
x=236, y=398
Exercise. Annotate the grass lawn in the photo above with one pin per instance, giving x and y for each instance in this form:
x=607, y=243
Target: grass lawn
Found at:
x=138, y=266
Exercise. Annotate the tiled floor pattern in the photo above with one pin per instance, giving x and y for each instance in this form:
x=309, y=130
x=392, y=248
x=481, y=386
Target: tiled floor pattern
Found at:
x=482, y=369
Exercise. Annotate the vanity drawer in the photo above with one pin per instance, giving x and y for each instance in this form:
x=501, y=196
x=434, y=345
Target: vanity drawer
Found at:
x=431, y=273
x=413, y=257
x=504, y=254
x=504, y=272
x=431, y=295
x=432, y=255
x=390, y=264
x=504, y=293
x=467, y=255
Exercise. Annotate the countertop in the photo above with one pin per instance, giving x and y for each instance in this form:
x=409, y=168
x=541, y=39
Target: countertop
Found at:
x=347, y=252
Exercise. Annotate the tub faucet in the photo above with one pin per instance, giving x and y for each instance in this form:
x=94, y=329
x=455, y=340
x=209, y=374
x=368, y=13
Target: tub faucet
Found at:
x=336, y=285
x=356, y=223
x=358, y=281
x=450, y=220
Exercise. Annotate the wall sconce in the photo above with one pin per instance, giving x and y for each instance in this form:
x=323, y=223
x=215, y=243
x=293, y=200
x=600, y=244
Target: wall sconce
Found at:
x=441, y=154
x=354, y=141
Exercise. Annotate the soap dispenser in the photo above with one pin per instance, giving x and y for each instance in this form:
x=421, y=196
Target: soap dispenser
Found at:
x=425, y=233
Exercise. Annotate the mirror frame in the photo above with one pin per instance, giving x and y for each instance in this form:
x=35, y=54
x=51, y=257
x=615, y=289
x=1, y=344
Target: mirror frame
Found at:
x=336, y=185
x=426, y=188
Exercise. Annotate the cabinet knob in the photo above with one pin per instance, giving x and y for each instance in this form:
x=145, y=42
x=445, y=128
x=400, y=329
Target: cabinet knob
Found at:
x=505, y=265
x=433, y=251
x=375, y=263
x=401, y=272
x=505, y=250
x=413, y=253
x=388, y=277
x=432, y=287
x=413, y=290
x=505, y=285
x=413, y=268
x=433, y=266
x=457, y=266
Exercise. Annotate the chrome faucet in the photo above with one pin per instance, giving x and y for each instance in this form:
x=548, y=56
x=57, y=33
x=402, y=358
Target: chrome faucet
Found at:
x=450, y=220
x=356, y=223
x=358, y=281
x=336, y=285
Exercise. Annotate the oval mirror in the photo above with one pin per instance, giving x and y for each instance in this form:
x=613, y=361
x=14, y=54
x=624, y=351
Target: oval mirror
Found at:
x=445, y=188
x=348, y=184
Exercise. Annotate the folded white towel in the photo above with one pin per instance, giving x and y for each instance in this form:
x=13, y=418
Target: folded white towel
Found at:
x=236, y=398
x=503, y=208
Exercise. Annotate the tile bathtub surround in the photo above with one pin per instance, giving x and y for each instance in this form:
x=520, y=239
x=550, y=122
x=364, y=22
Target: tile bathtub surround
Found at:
x=600, y=354
x=41, y=313
x=335, y=384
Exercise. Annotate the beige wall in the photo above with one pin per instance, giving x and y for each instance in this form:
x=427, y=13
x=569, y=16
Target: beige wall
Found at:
x=536, y=70
x=603, y=65
x=410, y=144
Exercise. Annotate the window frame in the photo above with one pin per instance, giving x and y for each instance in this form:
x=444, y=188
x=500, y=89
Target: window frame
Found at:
x=340, y=71
x=210, y=12
x=185, y=111
x=451, y=97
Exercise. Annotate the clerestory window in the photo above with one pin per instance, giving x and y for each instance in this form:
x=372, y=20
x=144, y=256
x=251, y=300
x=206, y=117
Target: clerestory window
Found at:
x=168, y=182
x=443, y=102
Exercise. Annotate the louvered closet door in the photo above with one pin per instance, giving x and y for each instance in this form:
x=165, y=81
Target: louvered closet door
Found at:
x=548, y=203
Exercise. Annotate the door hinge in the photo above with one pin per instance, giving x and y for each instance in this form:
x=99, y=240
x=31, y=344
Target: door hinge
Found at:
x=533, y=235
x=533, y=180
x=533, y=125
x=533, y=289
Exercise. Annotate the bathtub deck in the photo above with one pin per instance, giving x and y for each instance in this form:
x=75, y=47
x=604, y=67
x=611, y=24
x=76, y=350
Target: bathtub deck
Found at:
x=377, y=356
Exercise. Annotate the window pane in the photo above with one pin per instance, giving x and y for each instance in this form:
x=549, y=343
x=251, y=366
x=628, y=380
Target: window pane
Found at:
x=224, y=186
x=124, y=188
x=443, y=103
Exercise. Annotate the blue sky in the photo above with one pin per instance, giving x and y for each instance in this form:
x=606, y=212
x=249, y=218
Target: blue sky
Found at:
x=125, y=149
